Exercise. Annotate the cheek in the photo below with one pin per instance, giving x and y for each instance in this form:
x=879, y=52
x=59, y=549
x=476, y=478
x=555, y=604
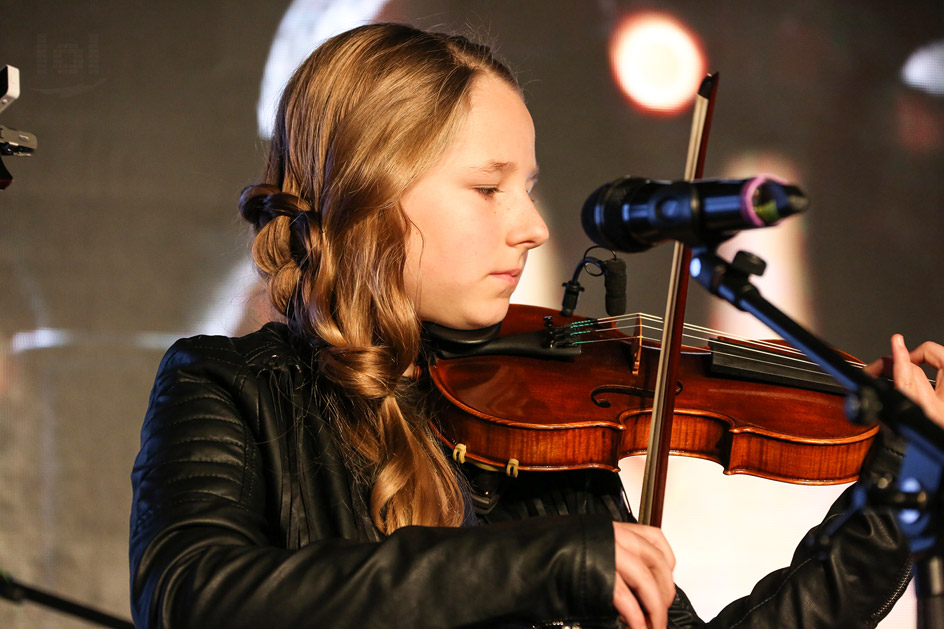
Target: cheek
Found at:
x=445, y=248
x=435, y=266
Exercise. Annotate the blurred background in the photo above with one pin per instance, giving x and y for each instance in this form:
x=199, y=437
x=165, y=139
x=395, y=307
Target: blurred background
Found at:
x=120, y=234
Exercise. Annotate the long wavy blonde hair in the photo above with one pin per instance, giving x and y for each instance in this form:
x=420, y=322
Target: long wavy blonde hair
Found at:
x=362, y=118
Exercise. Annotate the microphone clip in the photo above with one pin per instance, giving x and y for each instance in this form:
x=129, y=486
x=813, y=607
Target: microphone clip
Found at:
x=613, y=271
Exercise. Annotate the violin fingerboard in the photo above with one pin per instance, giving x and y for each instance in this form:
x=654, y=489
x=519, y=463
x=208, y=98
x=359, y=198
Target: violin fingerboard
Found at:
x=748, y=363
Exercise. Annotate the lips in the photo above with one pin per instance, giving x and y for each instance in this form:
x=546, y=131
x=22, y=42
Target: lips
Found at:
x=511, y=275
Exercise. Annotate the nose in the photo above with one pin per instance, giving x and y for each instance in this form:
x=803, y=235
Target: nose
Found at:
x=528, y=229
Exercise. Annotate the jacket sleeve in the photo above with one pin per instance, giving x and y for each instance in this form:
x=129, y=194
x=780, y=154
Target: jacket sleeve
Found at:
x=205, y=553
x=853, y=582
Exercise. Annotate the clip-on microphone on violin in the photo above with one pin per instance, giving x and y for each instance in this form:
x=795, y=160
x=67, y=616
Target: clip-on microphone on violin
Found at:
x=633, y=214
x=613, y=271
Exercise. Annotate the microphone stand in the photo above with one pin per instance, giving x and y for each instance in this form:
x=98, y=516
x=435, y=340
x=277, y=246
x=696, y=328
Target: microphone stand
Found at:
x=918, y=497
x=17, y=592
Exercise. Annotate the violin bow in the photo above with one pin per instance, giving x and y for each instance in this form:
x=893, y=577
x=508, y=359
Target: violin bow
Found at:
x=660, y=428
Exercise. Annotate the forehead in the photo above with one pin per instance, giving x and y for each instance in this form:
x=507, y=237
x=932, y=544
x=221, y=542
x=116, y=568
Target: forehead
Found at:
x=496, y=128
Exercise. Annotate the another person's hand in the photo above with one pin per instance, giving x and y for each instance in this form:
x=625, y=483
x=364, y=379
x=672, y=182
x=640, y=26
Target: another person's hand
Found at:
x=910, y=379
x=644, y=585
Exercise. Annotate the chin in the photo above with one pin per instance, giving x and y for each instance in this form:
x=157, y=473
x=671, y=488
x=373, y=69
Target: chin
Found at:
x=482, y=318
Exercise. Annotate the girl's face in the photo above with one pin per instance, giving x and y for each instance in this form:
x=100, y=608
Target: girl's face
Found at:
x=472, y=214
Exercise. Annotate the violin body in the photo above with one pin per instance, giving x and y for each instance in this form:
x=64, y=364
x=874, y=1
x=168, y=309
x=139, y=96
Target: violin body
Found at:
x=590, y=410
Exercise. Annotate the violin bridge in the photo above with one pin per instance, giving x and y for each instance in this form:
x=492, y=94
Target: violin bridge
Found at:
x=637, y=346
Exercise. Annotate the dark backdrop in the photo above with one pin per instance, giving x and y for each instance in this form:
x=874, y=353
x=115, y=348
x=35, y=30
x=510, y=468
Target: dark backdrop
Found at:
x=118, y=234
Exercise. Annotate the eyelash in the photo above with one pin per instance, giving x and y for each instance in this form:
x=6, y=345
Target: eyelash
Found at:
x=488, y=191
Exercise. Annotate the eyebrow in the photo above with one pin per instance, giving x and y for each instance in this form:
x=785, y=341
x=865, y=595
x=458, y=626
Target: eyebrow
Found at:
x=496, y=166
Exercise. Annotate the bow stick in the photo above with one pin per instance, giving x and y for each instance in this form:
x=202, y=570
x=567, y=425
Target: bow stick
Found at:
x=660, y=428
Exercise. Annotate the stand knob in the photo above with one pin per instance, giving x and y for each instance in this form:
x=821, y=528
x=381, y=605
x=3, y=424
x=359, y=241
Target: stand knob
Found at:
x=748, y=263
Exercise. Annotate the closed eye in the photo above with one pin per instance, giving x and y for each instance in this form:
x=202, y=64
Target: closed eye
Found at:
x=488, y=191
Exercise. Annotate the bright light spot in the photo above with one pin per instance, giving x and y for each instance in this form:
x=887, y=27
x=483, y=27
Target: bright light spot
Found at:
x=40, y=338
x=657, y=61
x=695, y=267
x=924, y=69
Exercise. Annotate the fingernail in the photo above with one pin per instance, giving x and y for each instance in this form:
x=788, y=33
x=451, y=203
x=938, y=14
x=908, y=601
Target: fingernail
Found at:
x=900, y=340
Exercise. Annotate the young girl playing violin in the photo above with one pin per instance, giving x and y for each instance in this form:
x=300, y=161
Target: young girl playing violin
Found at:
x=289, y=478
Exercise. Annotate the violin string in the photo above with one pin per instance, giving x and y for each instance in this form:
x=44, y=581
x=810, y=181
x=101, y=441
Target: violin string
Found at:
x=709, y=333
x=781, y=351
x=786, y=351
x=804, y=366
x=704, y=334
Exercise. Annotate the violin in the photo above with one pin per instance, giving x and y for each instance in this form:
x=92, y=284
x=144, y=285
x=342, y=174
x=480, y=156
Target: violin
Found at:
x=540, y=393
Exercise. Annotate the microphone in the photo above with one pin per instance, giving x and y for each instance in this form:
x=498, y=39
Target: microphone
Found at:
x=572, y=290
x=633, y=214
x=614, y=286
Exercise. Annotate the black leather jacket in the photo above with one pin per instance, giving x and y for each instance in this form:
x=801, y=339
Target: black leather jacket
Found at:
x=244, y=515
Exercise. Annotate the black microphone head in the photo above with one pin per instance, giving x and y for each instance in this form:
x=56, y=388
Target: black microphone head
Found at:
x=603, y=217
x=591, y=217
x=634, y=214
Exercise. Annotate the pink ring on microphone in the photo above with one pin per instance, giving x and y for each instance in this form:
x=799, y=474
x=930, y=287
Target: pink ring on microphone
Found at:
x=747, y=198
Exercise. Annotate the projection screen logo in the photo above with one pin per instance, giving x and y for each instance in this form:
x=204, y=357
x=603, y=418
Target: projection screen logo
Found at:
x=68, y=68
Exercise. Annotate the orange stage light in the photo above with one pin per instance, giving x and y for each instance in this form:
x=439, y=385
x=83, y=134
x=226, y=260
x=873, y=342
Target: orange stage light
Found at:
x=657, y=61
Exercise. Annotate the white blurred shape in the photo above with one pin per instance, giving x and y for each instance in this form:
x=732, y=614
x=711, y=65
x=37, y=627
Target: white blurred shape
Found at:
x=40, y=338
x=227, y=308
x=728, y=532
x=304, y=26
x=786, y=281
x=924, y=69
x=541, y=282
